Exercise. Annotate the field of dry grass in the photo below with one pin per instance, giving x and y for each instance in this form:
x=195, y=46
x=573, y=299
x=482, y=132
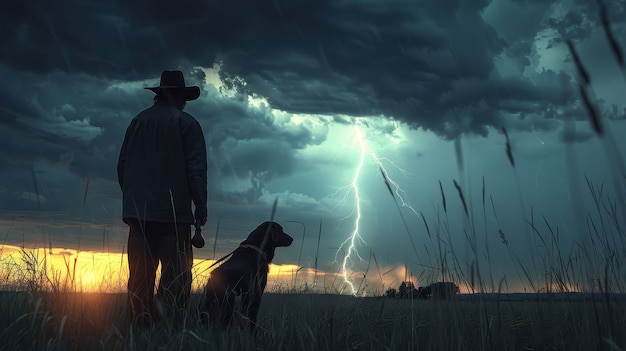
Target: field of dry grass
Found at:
x=90, y=321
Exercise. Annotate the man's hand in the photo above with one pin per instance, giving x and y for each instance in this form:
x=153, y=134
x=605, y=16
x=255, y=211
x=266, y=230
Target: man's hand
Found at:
x=200, y=215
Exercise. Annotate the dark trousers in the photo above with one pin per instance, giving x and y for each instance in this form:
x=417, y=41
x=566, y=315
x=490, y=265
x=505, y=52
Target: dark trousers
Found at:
x=151, y=243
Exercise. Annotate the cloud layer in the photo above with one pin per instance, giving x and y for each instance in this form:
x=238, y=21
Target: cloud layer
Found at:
x=291, y=71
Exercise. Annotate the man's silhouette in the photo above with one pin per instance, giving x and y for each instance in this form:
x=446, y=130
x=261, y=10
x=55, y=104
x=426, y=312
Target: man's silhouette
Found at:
x=162, y=170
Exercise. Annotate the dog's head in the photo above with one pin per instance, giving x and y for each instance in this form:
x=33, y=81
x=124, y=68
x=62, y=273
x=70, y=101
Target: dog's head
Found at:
x=267, y=237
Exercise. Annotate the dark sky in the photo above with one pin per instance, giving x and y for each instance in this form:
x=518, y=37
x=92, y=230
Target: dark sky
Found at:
x=287, y=86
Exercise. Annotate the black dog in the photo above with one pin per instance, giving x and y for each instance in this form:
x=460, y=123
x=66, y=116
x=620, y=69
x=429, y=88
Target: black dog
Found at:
x=245, y=274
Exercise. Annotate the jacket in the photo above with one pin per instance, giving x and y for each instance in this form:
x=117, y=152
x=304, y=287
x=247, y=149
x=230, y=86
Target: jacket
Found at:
x=162, y=167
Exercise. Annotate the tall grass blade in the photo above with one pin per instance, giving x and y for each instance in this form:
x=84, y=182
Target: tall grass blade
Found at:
x=36, y=186
x=582, y=71
x=425, y=224
x=386, y=179
x=317, y=251
x=302, y=242
x=615, y=48
x=509, y=152
x=274, y=209
x=443, y=198
x=584, y=93
x=85, y=195
x=458, y=150
x=483, y=192
x=217, y=230
x=458, y=188
x=406, y=226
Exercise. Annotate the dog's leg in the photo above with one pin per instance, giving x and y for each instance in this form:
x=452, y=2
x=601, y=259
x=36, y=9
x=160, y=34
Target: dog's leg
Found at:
x=227, y=309
x=250, y=304
x=215, y=296
x=220, y=305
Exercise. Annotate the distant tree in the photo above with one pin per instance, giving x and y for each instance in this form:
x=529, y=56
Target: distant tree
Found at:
x=443, y=290
x=438, y=290
x=391, y=293
x=423, y=293
x=407, y=290
x=402, y=291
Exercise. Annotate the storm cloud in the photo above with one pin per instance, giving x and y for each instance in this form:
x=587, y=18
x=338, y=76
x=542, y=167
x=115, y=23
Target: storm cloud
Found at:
x=432, y=65
x=280, y=79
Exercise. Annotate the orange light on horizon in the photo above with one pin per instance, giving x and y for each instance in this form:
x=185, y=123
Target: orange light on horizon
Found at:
x=63, y=269
x=90, y=271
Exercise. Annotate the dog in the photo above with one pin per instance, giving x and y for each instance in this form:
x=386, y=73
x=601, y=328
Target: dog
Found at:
x=244, y=274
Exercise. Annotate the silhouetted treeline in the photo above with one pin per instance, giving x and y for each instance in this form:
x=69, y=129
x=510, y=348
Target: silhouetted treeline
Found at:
x=438, y=290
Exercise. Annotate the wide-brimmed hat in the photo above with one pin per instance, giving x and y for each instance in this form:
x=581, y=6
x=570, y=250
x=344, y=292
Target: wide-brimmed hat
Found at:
x=173, y=83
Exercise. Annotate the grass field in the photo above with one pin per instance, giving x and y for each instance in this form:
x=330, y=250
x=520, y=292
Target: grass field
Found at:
x=91, y=321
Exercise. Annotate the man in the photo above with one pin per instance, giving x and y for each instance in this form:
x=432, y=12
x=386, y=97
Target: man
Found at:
x=162, y=170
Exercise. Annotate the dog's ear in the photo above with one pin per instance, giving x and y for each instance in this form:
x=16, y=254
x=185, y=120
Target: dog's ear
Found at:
x=275, y=231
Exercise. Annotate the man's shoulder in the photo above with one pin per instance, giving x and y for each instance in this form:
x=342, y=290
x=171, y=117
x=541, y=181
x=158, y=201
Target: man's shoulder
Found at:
x=162, y=110
x=187, y=117
x=146, y=112
x=166, y=111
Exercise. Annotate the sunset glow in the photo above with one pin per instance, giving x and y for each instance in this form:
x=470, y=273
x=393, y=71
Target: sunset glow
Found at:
x=89, y=271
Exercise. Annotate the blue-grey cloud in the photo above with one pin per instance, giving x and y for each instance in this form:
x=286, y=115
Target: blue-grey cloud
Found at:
x=75, y=73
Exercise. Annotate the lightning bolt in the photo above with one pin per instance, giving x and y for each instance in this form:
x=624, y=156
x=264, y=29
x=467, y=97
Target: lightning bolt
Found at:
x=352, y=239
x=349, y=245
